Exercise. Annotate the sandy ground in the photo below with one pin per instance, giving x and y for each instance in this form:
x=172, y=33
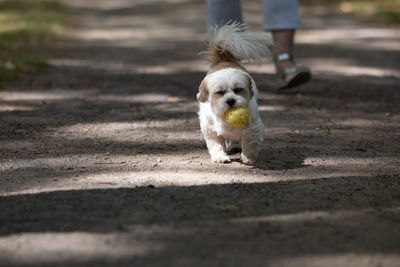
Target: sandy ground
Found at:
x=102, y=160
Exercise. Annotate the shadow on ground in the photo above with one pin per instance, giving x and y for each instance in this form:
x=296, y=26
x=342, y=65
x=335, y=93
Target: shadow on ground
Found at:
x=264, y=220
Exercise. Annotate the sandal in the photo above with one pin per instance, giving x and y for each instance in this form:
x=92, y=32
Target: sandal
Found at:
x=291, y=76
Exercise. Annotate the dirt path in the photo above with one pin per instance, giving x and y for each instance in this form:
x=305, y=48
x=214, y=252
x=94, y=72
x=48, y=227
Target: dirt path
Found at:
x=102, y=160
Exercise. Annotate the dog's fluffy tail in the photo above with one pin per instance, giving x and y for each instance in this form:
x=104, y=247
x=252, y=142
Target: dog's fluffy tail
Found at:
x=231, y=43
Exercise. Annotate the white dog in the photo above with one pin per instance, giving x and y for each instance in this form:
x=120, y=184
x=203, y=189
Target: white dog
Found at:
x=228, y=84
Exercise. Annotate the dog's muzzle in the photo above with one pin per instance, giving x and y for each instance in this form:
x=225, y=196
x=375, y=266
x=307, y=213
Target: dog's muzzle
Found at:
x=231, y=102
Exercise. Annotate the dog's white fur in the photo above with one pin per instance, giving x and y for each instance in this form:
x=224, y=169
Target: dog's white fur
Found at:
x=228, y=80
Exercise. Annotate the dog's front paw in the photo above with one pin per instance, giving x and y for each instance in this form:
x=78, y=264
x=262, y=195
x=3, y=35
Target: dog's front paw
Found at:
x=221, y=159
x=246, y=160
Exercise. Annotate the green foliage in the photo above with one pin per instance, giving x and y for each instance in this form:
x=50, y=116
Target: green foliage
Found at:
x=25, y=25
x=388, y=10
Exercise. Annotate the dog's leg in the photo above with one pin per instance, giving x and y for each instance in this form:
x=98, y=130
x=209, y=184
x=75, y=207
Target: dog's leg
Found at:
x=216, y=147
x=233, y=147
x=251, y=143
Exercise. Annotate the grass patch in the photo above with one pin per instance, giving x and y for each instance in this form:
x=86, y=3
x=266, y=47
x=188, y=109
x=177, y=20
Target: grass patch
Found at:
x=388, y=10
x=25, y=25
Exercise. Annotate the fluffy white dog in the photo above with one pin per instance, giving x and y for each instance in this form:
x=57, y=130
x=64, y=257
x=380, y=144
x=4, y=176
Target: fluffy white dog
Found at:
x=228, y=84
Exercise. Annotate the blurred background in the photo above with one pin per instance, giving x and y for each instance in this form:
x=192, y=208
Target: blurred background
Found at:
x=26, y=25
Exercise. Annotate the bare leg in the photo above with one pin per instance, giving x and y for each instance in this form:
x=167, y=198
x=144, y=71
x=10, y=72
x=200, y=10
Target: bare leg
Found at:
x=289, y=74
x=283, y=43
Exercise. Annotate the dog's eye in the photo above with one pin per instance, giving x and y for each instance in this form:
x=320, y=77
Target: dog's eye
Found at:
x=238, y=90
x=221, y=92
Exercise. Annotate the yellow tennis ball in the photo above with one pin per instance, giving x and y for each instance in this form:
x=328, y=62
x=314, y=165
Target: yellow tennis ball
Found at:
x=237, y=116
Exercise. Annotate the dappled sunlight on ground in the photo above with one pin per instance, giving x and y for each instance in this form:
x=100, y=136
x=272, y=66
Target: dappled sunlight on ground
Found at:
x=341, y=259
x=74, y=248
x=123, y=67
x=121, y=29
x=309, y=216
x=172, y=168
x=346, y=68
x=383, y=38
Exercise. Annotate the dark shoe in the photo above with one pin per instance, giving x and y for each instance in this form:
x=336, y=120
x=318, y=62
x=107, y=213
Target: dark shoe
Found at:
x=291, y=76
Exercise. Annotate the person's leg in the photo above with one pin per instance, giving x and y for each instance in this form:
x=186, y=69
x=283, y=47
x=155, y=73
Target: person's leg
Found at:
x=281, y=17
x=220, y=12
x=283, y=43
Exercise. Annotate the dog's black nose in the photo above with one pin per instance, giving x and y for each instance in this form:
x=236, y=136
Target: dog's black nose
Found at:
x=231, y=102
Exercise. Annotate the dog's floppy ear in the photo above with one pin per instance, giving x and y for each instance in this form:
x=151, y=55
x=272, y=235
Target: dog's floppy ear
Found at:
x=250, y=85
x=202, y=95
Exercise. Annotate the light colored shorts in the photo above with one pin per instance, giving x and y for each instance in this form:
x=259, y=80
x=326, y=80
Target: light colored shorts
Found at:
x=277, y=14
